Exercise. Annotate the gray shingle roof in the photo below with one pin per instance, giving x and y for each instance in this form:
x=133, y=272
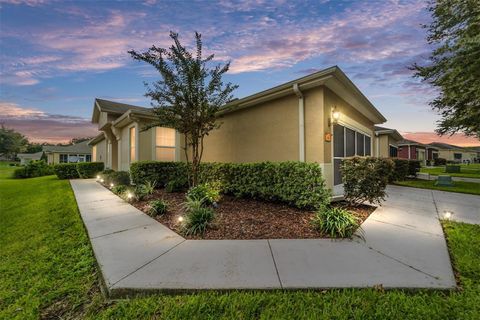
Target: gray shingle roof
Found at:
x=81, y=147
x=117, y=107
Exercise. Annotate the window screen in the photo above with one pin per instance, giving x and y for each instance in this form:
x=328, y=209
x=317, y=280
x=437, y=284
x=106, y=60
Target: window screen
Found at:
x=368, y=146
x=360, y=144
x=393, y=152
x=350, y=142
x=338, y=142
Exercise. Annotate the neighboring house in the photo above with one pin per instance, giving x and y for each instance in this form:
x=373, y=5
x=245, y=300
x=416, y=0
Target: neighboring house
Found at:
x=322, y=117
x=413, y=150
x=387, y=142
x=80, y=152
x=455, y=153
x=27, y=157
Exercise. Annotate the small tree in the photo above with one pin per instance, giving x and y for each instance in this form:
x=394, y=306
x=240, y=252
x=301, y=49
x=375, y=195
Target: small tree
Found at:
x=11, y=142
x=188, y=96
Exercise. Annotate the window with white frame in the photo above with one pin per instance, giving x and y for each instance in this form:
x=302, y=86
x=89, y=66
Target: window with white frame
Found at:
x=164, y=144
x=63, y=158
x=132, y=144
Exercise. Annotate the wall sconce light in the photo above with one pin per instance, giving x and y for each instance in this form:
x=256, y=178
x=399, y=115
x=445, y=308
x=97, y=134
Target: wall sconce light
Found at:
x=335, y=116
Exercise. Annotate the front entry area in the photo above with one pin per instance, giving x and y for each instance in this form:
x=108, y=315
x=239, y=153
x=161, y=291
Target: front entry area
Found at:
x=347, y=142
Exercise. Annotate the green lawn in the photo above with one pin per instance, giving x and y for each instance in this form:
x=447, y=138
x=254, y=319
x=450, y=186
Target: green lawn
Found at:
x=458, y=186
x=47, y=271
x=466, y=171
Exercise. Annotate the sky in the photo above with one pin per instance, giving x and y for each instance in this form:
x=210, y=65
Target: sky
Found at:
x=57, y=56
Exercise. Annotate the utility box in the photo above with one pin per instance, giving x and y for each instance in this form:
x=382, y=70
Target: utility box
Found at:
x=445, y=181
x=452, y=169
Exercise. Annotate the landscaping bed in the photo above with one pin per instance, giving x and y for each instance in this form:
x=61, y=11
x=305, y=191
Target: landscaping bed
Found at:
x=238, y=218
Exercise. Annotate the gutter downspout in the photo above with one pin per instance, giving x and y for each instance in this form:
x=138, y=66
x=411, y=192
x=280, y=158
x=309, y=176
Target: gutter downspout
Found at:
x=301, y=123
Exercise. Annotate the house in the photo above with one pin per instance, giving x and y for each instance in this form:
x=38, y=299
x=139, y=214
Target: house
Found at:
x=455, y=153
x=25, y=158
x=80, y=152
x=386, y=141
x=413, y=150
x=322, y=117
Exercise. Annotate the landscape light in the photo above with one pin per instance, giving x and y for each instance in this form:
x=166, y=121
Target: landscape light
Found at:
x=129, y=195
x=180, y=219
x=111, y=185
x=448, y=214
x=98, y=177
x=101, y=180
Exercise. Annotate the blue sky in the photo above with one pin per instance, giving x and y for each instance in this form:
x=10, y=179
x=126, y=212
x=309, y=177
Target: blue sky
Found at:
x=57, y=56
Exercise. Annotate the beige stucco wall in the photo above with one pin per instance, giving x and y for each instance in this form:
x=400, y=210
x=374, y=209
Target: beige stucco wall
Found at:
x=384, y=142
x=101, y=155
x=268, y=131
x=448, y=154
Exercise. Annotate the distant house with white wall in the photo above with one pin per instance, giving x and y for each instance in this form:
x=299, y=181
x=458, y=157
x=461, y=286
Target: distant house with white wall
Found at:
x=80, y=152
x=454, y=153
x=25, y=158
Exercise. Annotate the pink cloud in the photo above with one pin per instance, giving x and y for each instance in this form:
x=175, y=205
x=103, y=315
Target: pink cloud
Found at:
x=428, y=137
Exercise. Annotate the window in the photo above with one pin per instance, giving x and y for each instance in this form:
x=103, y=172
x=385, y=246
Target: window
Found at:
x=349, y=142
x=89, y=158
x=368, y=146
x=63, y=158
x=73, y=158
x=360, y=144
x=339, y=141
x=164, y=144
x=132, y=144
x=457, y=156
x=393, y=152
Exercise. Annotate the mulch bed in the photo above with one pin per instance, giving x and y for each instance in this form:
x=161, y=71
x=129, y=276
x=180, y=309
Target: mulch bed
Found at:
x=248, y=218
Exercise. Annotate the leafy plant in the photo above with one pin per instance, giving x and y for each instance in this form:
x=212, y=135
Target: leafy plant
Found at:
x=117, y=177
x=365, y=179
x=176, y=185
x=188, y=96
x=139, y=192
x=66, y=170
x=119, y=189
x=149, y=187
x=157, y=207
x=33, y=169
x=208, y=193
x=89, y=169
x=336, y=222
x=197, y=220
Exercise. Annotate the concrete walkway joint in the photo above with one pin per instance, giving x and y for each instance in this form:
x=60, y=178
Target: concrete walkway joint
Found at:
x=401, y=245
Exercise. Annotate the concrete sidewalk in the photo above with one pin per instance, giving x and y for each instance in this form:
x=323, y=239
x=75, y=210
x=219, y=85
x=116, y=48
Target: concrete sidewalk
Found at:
x=402, y=246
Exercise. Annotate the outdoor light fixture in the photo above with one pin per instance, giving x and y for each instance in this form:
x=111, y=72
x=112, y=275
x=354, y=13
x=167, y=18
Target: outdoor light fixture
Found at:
x=180, y=219
x=448, y=214
x=335, y=116
x=98, y=177
x=129, y=195
x=101, y=180
x=111, y=185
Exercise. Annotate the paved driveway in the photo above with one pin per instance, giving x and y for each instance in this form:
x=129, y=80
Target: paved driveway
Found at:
x=401, y=245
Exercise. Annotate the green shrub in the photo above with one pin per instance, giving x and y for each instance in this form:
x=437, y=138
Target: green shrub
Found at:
x=176, y=185
x=207, y=192
x=119, y=189
x=38, y=168
x=413, y=167
x=197, y=220
x=107, y=171
x=400, y=170
x=149, y=187
x=296, y=183
x=89, y=169
x=117, y=178
x=439, y=162
x=161, y=172
x=66, y=170
x=336, y=222
x=157, y=207
x=366, y=178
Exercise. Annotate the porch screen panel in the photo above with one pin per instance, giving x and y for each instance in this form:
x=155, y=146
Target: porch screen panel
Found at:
x=368, y=146
x=337, y=172
x=349, y=142
x=338, y=141
x=360, y=144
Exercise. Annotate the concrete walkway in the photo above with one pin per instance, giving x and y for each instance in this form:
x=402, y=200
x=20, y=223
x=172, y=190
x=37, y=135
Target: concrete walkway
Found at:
x=401, y=246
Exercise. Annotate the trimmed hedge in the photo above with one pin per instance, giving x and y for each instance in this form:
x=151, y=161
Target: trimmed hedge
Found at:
x=89, y=169
x=117, y=177
x=66, y=170
x=33, y=169
x=413, y=167
x=439, y=162
x=296, y=183
x=404, y=168
x=366, y=178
